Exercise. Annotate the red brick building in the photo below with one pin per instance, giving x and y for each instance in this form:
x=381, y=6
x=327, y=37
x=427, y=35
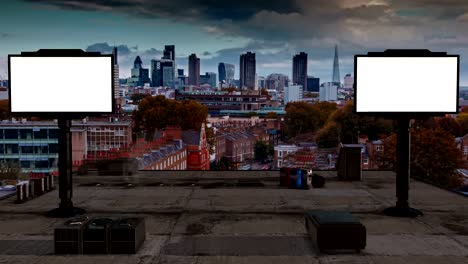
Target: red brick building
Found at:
x=198, y=155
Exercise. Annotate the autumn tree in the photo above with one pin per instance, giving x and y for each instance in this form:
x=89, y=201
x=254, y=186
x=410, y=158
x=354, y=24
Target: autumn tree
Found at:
x=157, y=112
x=136, y=98
x=301, y=117
x=262, y=150
x=434, y=156
x=450, y=125
x=271, y=115
x=4, y=109
x=344, y=125
x=328, y=136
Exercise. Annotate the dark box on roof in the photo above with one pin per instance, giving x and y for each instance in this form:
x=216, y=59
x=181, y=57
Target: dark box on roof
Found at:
x=68, y=238
x=96, y=236
x=127, y=235
x=334, y=230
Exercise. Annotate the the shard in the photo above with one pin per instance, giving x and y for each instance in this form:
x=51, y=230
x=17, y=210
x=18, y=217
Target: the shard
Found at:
x=336, y=67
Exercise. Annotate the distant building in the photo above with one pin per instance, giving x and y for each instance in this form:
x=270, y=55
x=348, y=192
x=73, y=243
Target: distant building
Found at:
x=336, y=67
x=247, y=71
x=168, y=77
x=239, y=146
x=261, y=82
x=217, y=101
x=198, y=155
x=4, y=83
x=180, y=72
x=300, y=69
x=281, y=151
x=313, y=84
x=140, y=75
x=208, y=78
x=194, y=70
x=348, y=82
x=169, y=53
x=293, y=93
x=116, y=73
x=226, y=72
x=276, y=81
x=162, y=73
x=329, y=91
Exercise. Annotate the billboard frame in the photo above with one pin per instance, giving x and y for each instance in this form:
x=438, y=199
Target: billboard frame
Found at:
x=62, y=53
x=408, y=53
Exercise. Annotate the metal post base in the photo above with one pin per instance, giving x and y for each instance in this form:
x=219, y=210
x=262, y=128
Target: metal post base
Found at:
x=63, y=212
x=402, y=212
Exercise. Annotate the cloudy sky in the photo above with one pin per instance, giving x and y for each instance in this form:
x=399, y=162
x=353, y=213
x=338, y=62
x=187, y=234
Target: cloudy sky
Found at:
x=219, y=31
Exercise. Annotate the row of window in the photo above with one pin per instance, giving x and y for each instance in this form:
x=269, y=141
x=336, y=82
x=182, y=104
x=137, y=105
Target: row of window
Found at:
x=16, y=149
x=29, y=133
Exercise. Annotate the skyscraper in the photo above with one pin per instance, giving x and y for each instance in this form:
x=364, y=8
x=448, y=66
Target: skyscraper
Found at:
x=300, y=69
x=226, y=72
x=169, y=52
x=140, y=75
x=247, y=71
x=116, y=73
x=162, y=73
x=336, y=67
x=194, y=70
x=208, y=78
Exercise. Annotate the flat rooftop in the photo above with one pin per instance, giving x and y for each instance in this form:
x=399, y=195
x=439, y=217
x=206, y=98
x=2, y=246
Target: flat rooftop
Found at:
x=222, y=217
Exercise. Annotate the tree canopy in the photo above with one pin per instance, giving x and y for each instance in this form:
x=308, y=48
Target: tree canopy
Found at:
x=302, y=117
x=158, y=112
x=434, y=156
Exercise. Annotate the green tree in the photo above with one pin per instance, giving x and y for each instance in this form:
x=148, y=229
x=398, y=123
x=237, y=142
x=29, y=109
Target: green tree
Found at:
x=262, y=150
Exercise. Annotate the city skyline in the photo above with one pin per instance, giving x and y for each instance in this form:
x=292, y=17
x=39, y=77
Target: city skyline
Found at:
x=221, y=31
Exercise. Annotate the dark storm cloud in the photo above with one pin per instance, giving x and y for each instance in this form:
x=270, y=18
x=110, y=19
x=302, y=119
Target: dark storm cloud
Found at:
x=5, y=35
x=210, y=9
x=106, y=48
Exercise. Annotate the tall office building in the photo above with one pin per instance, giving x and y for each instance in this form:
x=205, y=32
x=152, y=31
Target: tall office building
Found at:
x=208, y=78
x=300, y=69
x=194, y=70
x=247, y=71
x=169, y=52
x=140, y=75
x=336, y=67
x=116, y=73
x=162, y=73
x=313, y=84
x=226, y=72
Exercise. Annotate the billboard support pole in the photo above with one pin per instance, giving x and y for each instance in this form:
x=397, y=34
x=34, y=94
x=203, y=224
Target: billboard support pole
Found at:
x=402, y=208
x=66, y=208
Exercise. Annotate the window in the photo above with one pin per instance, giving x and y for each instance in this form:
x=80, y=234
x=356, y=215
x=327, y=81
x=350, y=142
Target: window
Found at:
x=379, y=148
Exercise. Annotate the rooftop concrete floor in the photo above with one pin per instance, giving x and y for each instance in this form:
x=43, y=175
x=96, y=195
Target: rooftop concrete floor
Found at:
x=203, y=217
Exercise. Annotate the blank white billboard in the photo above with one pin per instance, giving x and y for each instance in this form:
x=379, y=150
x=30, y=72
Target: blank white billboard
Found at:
x=61, y=84
x=407, y=84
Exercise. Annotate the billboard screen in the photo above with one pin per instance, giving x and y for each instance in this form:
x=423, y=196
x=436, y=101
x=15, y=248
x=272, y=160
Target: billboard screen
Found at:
x=42, y=84
x=406, y=84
